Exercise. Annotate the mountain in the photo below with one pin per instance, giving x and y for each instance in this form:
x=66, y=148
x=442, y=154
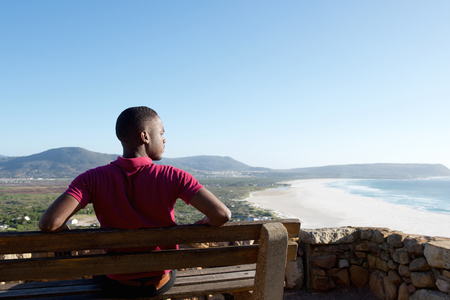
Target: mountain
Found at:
x=209, y=164
x=375, y=171
x=69, y=162
x=60, y=162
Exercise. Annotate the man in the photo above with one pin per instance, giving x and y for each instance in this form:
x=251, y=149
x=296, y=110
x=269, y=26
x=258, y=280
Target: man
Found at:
x=133, y=192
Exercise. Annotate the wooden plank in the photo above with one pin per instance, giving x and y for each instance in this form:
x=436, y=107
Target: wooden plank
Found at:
x=45, y=284
x=197, y=273
x=175, y=292
x=201, y=275
x=69, y=267
x=217, y=270
x=185, y=286
x=208, y=288
x=75, y=297
x=292, y=227
x=64, y=267
x=222, y=282
x=216, y=278
x=292, y=251
x=30, y=242
x=51, y=291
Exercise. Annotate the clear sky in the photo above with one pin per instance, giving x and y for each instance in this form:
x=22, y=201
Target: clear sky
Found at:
x=278, y=84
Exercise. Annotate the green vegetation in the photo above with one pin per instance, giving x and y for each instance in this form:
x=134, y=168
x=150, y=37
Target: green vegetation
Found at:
x=16, y=207
x=22, y=211
x=21, y=208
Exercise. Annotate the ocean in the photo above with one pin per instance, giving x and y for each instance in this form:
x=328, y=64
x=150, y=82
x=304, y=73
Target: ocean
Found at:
x=430, y=195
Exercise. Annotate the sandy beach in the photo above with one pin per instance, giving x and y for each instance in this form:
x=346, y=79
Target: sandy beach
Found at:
x=318, y=206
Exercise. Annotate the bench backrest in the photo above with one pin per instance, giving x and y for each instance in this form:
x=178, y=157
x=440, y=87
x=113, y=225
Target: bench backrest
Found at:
x=76, y=266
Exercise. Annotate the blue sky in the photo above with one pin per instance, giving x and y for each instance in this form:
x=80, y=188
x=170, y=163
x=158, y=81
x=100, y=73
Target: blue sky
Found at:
x=279, y=84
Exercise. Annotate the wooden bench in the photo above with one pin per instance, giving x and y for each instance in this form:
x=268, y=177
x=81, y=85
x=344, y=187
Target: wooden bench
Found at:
x=233, y=269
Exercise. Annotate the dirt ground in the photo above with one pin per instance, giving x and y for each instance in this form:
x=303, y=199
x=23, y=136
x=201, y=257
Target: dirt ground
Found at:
x=350, y=293
x=84, y=220
x=32, y=189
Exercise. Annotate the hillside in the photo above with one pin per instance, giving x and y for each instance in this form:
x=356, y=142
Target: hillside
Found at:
x=60, y=162
x=374, y=171
x=209, y=164
x=69, y=162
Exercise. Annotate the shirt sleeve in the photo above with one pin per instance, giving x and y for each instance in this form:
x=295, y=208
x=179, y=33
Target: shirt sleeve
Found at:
x=189, y=186
x=79, y=189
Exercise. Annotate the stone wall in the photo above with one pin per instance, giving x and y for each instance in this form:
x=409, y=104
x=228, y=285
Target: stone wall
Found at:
x=393, y=264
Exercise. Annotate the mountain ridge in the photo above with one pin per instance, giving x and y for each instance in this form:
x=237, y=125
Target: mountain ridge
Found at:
x=376, y=169
x=71, y=161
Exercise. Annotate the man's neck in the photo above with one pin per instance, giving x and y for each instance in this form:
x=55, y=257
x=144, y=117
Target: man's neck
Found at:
x=133, y=153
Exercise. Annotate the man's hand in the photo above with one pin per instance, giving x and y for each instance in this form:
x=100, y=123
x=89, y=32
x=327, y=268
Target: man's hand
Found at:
x=205, y=220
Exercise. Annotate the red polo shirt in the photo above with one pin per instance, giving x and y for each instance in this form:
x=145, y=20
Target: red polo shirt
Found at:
x=132, y=193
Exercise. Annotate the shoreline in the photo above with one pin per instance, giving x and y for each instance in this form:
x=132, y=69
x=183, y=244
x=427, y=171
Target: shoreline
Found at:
x=318, y=206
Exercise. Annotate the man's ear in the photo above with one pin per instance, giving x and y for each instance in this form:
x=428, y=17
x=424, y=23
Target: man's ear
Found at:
x=145, y=137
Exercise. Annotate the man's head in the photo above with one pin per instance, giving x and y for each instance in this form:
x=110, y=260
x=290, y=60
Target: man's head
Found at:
x=141, y=128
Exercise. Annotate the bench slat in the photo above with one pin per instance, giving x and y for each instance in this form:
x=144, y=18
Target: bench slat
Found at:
x=209, y=288
x=31, y=242
x=216, y=277
x=292, y=248
x=78, y=266
x=195, y=274
x=217, y=270
x=69, y=267
x=188, y=282
x=42, y=284
x=51, y=291
x=73, y=297
x=175, y=292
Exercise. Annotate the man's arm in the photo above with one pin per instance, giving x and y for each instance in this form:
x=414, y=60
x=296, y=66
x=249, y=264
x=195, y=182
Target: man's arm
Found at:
x=55, y=217
x=216, y=213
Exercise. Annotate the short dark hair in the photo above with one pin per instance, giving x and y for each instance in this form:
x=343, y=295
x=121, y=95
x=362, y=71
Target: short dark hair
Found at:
x=133, y=120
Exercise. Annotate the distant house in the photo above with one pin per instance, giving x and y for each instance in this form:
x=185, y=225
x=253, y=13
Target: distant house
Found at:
x=27, y=218
x=258, y=219
x=73, y=222
x=3, y=227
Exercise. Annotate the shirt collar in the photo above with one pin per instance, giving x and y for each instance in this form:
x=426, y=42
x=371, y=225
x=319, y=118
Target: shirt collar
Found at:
x=135, y=162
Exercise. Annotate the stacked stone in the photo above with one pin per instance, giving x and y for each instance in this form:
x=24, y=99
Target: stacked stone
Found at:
x=294, y=275
x=393, y=264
